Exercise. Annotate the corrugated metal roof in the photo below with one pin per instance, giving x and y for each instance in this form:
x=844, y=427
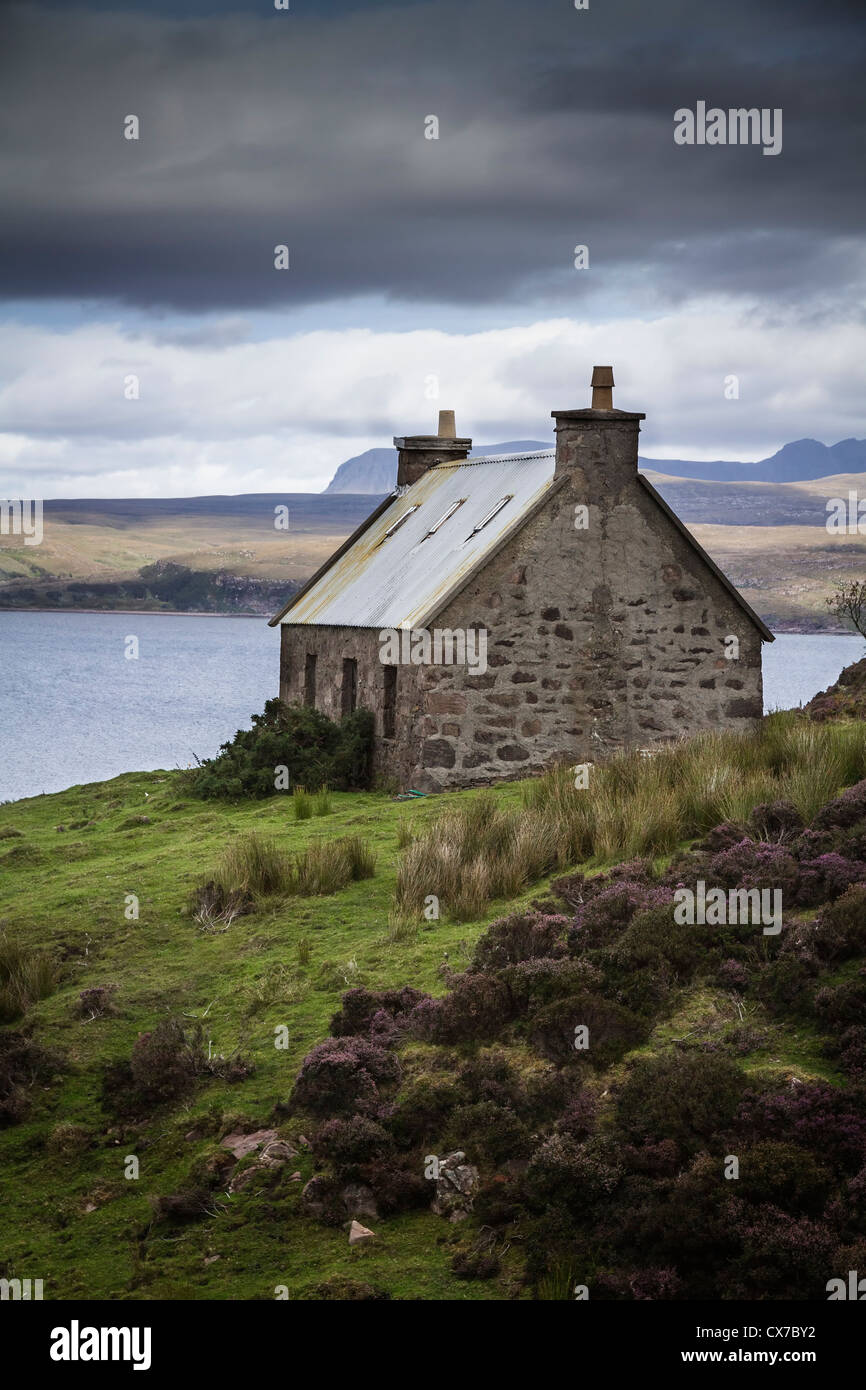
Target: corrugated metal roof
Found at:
x=396, y=582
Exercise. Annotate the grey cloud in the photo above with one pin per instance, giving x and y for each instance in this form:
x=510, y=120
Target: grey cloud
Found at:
x=556, y=129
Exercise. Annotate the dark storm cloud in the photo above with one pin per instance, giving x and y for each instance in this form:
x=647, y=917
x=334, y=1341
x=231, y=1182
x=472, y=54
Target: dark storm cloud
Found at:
x=556, y=128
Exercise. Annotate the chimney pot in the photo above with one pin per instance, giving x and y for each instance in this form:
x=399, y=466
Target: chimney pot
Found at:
x=447, y=427
x=602, y=388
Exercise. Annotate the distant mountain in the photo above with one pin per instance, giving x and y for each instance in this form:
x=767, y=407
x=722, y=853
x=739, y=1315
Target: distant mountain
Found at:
x=376, y=470
x=802, y=460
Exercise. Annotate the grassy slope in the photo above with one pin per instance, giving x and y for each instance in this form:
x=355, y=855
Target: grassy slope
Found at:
x=65, y=890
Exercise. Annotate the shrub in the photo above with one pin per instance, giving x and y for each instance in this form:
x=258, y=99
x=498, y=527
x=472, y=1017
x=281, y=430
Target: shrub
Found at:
x=842, y=1006
x=477, y=1008
x=358, y=1007
x=840, y=930
x=23, y=1063
x=96, y=1002
x=775, y=820
x=344, y=1074
x=813, y=1115
x=520, y=937
x=613, y=1029
x=576, y=1175
x=783, y=1175
x=421, y=1113
x=752, y=864
x=316, y=750
x=492, y=1132
x=828, y=877
x=686, y=1097
x=351, y=1142
x=845, y=811
x=609, y=911
x=164, y=1063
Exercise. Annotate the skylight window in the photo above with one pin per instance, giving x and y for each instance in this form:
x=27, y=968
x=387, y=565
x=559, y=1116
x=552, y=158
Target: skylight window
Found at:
x=490, y=515
x=395, y=525
x=443, y=518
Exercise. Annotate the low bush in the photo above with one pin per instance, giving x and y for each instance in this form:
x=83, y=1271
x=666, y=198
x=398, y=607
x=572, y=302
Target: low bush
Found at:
x=316, y=751
x=686, y=1097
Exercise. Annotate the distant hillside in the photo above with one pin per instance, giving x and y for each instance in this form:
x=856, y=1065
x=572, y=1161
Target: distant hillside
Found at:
x=801, y=460
x=796, y=462
x=376, y=470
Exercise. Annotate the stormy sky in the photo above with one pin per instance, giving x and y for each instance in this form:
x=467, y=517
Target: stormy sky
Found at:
x=416, y=265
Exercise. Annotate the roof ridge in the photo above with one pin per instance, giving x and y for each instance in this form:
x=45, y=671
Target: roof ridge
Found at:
x=496, y=458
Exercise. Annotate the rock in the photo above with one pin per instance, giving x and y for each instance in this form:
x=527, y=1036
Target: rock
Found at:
x=315, y=1196
x=456, y=1186
x=295, y=1177
x=278, y=1152
x=242, y=1144
x=304, y=1143
x=359, y=1201
x=212, y=1259
x=245, y=1177
x=359, y=1233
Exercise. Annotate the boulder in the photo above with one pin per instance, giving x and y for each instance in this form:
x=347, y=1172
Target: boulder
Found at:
x=242, y=1144
x=456, y=1186
x=359, y=1233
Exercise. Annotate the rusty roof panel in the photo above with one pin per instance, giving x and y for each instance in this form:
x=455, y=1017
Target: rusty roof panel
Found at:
x=394, y=582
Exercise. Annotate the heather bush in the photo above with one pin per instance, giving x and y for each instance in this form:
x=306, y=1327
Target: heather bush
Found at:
x=491, y=1133
x=840, y=929
x=164, y=1063
x=784, y=1175
x=579, y=1117
x=814, y=1115
x=613, y=1029
x=846, y=810
x=654, y=941
x=752, y=864
x=828, y=877
x=23, y=1064
x=477, y=1008
x=839, y=1007
x=533, y=983
x=351, y=1142
x=686, y=1097
x=344, y=1074
x=608, y=912
x=572, y=1174
x=358, y=1008
x=785, y=985
x=520, y=937
x=421, y=1112
x=782, y=1257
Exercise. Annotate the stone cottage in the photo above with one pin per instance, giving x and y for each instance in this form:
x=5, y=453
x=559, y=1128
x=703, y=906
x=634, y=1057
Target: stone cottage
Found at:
x=503, y=614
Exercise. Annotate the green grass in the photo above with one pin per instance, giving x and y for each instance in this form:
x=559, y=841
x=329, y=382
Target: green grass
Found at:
x=285, y=963
x=69, y=1216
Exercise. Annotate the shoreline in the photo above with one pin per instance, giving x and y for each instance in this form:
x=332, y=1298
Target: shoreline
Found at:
x=138, y=612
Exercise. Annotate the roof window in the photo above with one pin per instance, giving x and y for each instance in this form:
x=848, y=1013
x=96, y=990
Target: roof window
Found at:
x=395, y=525
x=443, y=518
x=490, y=515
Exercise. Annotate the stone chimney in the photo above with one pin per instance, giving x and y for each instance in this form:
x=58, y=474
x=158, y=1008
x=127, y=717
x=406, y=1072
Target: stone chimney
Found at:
x=418, y=452
x=601, y=442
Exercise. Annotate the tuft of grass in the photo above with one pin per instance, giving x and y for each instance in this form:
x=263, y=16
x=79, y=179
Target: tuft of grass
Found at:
x=323, y=805
x=633, y=805
x=26, y=976
x=302, y=804
x=253, y=865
